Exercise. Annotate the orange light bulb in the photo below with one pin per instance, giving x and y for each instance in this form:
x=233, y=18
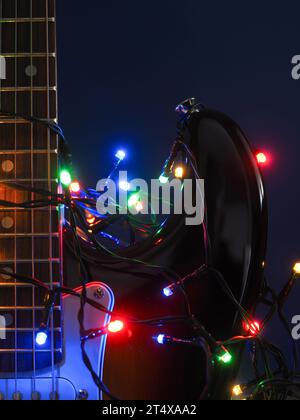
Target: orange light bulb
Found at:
x=90, y=219
x=75, y=187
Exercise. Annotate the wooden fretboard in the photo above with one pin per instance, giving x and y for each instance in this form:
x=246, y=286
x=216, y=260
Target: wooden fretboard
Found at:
x=30, y=240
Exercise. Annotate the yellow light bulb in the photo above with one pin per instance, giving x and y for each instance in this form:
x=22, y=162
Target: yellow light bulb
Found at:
x=297, y=268
x=179, y=172
x=237, y=391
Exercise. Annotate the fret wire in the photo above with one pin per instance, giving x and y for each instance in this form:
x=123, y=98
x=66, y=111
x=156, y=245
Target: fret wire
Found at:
x=29, y=351
x=18, y=209
x=19, y=120
x=30, y=235
x=29, y=180
x=27, y=20
x=24, y=284
x=45, y=208
x=37, y=260
x=26, y=308
x=28, y=55
x=10, y=121
x=22, y=152
x=28, y=89
x=26, y=330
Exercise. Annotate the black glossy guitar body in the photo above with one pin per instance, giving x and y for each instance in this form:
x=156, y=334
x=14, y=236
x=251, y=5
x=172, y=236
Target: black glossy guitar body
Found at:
x=136, y=367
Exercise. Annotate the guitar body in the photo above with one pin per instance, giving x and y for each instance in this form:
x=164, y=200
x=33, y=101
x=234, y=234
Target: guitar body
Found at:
x=135, y=366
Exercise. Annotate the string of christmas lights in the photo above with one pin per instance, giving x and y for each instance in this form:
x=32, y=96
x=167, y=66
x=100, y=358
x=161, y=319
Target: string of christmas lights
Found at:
x=267, y=385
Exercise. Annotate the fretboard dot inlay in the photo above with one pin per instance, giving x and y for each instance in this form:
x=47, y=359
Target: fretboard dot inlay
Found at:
x=9, y=270
x=31, y=71
x=7, y=166
x=7, y=222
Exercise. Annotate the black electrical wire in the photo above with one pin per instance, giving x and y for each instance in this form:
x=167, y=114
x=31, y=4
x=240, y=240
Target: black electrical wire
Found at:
x=266, y=349
x=55, y=128
x=24, y=279
x=85, y=277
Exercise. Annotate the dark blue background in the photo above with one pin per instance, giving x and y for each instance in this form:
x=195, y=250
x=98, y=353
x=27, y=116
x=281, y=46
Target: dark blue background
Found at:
x=123, y=65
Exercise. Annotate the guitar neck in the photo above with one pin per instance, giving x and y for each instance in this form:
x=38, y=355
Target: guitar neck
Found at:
x=28, y=45
x=30, y=240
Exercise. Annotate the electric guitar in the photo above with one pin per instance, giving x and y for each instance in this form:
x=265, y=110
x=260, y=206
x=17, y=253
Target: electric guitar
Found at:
x=33, y=244
x=31, y=239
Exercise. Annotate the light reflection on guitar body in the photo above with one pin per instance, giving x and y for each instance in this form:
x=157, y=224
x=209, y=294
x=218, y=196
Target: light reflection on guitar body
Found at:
x=70, y=380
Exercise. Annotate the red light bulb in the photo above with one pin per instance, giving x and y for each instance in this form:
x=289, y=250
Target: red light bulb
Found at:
x=115, y=326
x=262, y=158
x=253, y=328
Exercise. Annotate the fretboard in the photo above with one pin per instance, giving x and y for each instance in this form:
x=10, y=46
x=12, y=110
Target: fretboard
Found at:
x=30, y=240
x=29, y=47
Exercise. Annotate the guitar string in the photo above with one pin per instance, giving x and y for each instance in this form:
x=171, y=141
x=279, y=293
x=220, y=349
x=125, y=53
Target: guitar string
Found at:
x=32, y=198
x=15, y=197
x=1, y=16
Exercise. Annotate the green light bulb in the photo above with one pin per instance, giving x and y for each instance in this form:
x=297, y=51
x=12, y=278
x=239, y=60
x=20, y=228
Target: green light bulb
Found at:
x=133, y=200
x=65, y=177
x=226, y=358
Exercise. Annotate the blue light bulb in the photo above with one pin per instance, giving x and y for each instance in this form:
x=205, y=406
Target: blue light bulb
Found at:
x=124, y=185
x=41, y=338
x=161, y=339
x=168, y=292
x=121, y=155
